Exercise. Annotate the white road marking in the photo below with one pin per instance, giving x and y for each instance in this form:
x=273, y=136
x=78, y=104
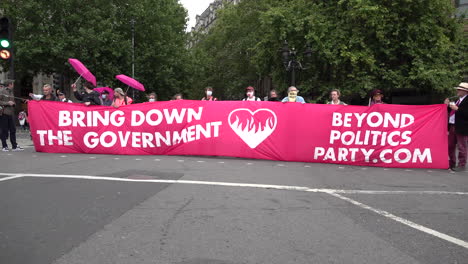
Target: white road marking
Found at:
x=333, y=192
x=180, y=160
x=92, y=157
x=11, y=177
x=63, y=156
x=221, y=162
x=231, y=184
x=249, y=163
x=157, y=160
x=306, y=166
x=200, y=161
x=404, y=221
x=280, y=165
x=116, y=158
x=137, y=159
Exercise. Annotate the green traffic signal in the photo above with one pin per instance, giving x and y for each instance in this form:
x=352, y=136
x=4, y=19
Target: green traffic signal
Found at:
x=4, y=43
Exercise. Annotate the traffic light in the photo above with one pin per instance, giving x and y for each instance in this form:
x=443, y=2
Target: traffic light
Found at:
x=5, y=39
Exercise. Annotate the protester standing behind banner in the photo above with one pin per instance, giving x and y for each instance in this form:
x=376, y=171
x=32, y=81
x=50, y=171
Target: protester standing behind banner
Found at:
x=48, y=93
x=106, y=101
x=250, y=95
x=293, y=97
x=209, y=94
x=89, y=96
x=152, y=97
x=177, y=97
x=458, y=128
x=7, y=114
x=376, y=97
x=120, y=98
x=335, y=97
x=62, y=97
x=273, y=96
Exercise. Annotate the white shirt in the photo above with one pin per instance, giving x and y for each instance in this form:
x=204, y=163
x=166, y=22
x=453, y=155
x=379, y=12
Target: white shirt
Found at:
x=251, y=99
x=452, y=117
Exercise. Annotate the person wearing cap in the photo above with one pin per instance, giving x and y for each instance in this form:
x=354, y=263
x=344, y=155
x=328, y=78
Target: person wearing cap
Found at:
x=376, y=97
x=120, y=98
x=7, y=117
x=89, y=96
x=458, y=128
x=106, y=101
x=250, y=94
x=293, y=97
x=62, y=97
x=209, y=95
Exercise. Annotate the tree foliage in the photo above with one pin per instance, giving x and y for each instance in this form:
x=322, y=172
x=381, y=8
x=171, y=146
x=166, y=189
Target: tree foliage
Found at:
x=358, y=45
x=99, y=33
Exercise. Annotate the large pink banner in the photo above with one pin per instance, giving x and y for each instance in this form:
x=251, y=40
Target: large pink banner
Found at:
x=382, y=135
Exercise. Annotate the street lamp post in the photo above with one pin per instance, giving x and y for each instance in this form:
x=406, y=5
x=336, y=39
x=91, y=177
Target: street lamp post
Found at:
x=133, y=53
x=290, y=62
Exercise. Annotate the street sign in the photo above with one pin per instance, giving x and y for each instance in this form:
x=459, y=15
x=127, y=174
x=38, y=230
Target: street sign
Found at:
x=5, y=54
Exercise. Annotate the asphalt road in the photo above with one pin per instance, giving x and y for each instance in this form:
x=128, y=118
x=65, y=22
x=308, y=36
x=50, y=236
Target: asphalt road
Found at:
x=215, y=210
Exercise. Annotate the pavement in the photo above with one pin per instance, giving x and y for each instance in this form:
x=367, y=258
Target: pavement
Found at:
x=81, y=208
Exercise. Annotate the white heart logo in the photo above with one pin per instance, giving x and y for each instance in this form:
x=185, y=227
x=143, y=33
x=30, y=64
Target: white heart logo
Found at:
x=253, y=127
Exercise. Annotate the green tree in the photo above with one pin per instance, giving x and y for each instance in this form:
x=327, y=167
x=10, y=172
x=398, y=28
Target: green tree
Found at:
x=358, y=45
x=99, y=34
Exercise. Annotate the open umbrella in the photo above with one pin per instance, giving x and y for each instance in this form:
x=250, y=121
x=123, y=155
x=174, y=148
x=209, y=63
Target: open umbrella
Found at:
x=108, y=89
x=82, y=70
x=130, y=82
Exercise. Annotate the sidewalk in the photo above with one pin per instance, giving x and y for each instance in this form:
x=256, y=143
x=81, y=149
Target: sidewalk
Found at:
x=23, y=138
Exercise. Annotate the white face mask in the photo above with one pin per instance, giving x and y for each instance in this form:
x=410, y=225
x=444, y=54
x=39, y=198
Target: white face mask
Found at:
x=209, y=93
x=250, y=94
x=152, y=100
x=104, y=96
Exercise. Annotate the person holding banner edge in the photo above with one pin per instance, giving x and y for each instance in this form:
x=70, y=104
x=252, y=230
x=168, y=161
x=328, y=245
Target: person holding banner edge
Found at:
x=458, y=128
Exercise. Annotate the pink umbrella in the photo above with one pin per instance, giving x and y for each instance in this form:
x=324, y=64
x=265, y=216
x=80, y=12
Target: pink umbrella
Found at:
x=82, y=70
x=108, y=89
x=130, y=82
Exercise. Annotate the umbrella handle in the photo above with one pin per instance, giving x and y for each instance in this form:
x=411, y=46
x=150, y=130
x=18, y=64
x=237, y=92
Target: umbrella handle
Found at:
x=77, y=80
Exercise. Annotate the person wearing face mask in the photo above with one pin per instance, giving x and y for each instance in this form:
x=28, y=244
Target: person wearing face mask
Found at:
x=209, y=95
x=62, y=97
x=152, y=97
x=106, y=101
x=250, y=94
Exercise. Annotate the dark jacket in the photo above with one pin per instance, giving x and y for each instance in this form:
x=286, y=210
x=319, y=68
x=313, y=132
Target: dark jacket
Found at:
x=92, y=97
x=7, y=95
x=461, y=118
x=52, y=98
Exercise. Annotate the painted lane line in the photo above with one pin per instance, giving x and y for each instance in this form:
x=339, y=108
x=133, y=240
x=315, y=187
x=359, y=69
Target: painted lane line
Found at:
x=11, y=177
x=180, y=160
x=404, y=221
x=393, y=192
x=232, y=184
x=228, y=184
x=200, y=161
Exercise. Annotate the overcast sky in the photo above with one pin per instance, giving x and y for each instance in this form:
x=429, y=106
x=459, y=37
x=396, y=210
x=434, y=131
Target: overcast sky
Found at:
x=195, y=7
